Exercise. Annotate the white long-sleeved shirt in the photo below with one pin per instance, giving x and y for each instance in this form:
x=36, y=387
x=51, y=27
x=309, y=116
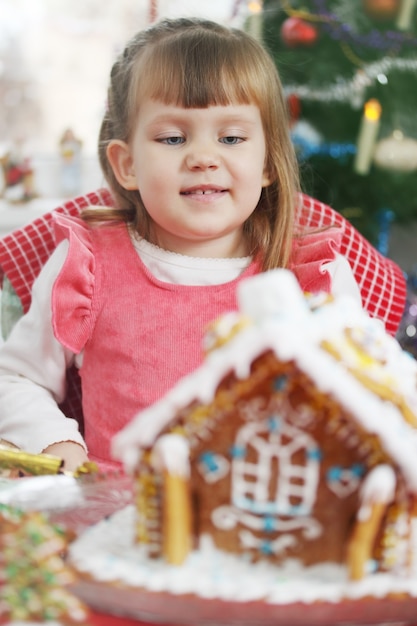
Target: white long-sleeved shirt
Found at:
x=33, y=363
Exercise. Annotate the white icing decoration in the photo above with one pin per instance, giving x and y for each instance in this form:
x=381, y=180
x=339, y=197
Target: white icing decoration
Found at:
x=346, y=483
x=270, y=445
x=253, y=408
x=276, y=546
x=271, y=442
x=303, y=416
x=172, y=453
x=107, y=553
x=218, y=469
x=226, y=517
x=378, y=486
x=264, y=297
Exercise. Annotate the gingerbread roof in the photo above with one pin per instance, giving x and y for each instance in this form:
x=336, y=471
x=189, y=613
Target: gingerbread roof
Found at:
x=345, y=352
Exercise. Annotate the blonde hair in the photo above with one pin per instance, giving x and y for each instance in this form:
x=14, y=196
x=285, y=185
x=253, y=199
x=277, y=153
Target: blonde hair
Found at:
x=196, y=63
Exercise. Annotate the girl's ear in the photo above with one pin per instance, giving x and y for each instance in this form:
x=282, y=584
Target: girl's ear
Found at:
x=266, y=179
x=121, y=162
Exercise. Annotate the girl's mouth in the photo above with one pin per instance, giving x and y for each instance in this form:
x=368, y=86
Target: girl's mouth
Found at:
x=202, y=192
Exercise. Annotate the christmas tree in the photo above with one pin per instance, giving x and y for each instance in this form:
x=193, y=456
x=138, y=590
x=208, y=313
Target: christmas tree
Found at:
x=349, y=72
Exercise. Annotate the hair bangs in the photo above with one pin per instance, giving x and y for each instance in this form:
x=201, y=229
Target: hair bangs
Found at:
x=198, y=71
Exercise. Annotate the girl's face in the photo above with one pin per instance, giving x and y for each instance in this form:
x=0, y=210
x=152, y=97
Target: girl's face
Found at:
x=199, y=172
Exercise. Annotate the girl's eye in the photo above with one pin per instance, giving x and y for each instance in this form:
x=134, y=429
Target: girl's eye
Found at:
x=172, y=141
x=231, y=140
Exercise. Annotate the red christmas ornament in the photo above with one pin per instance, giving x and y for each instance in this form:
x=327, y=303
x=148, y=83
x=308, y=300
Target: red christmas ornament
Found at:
x=381, y=9
x=297, y=32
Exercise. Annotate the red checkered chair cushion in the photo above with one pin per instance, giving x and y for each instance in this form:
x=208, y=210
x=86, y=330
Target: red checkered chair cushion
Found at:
x=381, y=282
x=23, y=254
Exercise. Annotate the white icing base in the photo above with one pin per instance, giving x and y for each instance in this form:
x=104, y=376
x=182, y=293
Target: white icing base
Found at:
x=107, y=553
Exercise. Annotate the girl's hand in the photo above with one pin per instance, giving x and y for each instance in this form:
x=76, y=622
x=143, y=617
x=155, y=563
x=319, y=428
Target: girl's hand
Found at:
x=71, y=453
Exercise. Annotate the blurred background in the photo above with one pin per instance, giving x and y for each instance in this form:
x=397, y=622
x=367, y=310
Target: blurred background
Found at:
x=349, y=70
x=55, y=58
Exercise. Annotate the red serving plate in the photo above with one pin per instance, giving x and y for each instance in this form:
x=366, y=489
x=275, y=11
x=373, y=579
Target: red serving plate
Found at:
x=188, y=610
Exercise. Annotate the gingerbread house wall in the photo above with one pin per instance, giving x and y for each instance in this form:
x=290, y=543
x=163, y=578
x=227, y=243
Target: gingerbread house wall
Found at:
x=277, y=471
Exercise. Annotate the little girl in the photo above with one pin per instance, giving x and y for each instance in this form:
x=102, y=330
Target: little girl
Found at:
x=196, y=150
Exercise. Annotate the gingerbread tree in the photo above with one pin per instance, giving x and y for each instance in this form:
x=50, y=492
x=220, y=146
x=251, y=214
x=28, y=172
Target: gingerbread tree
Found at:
x=33, y=573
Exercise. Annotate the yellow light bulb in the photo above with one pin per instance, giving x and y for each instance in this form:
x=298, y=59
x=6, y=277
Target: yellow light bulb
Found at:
x=255, y=7
x=372, y=110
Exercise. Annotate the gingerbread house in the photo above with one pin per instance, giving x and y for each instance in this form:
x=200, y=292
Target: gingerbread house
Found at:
x=295, y=439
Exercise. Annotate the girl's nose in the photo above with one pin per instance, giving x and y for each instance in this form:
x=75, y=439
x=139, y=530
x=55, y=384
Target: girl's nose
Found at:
x=202, y=159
